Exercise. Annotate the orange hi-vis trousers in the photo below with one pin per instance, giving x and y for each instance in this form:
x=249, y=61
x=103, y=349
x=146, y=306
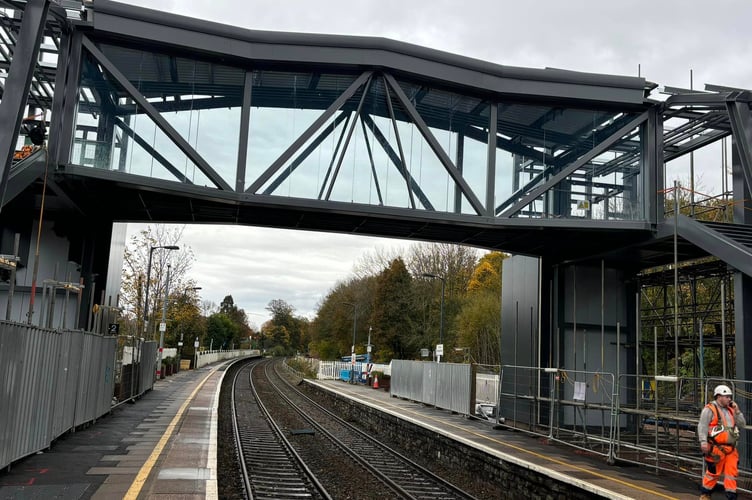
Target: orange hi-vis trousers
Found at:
x=720, y=463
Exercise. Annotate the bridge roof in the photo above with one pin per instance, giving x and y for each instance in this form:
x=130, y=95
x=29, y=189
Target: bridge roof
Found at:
x=363, y=52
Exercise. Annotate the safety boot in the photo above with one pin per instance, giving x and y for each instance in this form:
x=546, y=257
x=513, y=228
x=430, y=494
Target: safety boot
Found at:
x=705, y=496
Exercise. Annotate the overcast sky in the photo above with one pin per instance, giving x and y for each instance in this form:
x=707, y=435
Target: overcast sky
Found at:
x=663, y=40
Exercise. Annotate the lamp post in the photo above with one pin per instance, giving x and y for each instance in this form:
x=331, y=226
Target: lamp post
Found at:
x=441, y=317
x=148, y=281
x=355, y=324
x=163, y=324
x=180, y=343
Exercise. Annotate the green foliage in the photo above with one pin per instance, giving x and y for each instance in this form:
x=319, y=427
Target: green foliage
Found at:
x=478, y=324
x=302, y=366
x=325, y=349
x=222, y=330
x=285, y=330
x=394, y=314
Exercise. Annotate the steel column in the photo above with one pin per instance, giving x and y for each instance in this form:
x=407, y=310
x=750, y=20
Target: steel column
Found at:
x=741, y=127
x=742, y=281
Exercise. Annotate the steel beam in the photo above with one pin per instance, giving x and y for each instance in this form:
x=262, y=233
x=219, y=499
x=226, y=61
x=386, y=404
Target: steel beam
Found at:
x=350, y=130
x=245, y=124
x=563, y=174
x=305, y=136
x=348, y=116
x=305, y=154
x=159, y=120
x=491, y=161
x=18, y=82
x=152, y=152
x=397, y=162
x=435, y=146
x=370, y=159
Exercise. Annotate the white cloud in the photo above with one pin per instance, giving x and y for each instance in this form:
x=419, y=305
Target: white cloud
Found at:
x=258, y=265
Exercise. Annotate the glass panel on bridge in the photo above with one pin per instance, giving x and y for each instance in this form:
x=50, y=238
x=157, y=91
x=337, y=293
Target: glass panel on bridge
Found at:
x=200, y=101
x=388, y=142
x=605, y=187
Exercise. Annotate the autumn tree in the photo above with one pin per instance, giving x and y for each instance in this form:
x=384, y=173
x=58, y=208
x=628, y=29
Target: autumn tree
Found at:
x=284, y=330
x=186, y=323
x=136, y=268
x=454, y=264
x=478, y=322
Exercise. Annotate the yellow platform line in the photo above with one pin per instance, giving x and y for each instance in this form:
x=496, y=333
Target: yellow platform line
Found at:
x=143, y=473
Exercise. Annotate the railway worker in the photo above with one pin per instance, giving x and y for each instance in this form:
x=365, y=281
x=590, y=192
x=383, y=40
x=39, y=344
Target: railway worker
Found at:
x=718, y=432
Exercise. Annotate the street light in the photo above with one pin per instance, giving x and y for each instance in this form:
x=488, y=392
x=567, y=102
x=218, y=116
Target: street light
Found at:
x=163, y=324
x=441, y=320
x=355, y=323
x=148, y=281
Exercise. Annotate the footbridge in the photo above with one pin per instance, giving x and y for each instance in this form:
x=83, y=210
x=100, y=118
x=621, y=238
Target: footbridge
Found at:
x=113, y=113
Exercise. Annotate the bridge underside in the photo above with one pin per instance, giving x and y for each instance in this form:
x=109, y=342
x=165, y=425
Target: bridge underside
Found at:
x=76, y=193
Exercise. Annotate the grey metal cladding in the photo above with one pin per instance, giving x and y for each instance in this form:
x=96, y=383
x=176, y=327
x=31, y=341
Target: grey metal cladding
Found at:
x=359, y=52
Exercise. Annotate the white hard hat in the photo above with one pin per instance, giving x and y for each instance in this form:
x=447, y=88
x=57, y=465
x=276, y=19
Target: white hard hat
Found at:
x=722, y=390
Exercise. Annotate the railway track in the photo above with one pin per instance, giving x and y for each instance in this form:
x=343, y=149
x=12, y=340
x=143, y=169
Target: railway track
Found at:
x=400, y=477
x=270, y=466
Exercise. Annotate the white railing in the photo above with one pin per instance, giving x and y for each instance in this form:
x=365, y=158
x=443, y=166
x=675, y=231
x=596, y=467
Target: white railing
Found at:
x=331, y=370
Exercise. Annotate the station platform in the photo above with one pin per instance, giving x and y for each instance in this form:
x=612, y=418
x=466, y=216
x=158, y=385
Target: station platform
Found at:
x=161, y=446
x=165, y=444
x=557, y=461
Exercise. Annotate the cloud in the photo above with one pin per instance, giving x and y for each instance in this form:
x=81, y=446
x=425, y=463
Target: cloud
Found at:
x=258, y=265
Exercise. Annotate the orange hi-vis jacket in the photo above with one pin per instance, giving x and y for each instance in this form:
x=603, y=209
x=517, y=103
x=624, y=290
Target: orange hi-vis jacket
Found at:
x=721, y=432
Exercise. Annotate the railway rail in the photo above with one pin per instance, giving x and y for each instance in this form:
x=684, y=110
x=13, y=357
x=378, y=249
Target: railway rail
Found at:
x=400, y=477
x=270, y=466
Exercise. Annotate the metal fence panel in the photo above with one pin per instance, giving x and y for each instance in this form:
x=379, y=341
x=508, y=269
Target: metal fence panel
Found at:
x=330, y=370
x=445, y=385
x=454, y=387
x=486, y=387
x=50, y=381
x=147, y=366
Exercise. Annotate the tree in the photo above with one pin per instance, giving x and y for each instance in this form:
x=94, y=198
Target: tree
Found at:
x=455, y=265
x=186, y=321
x=479, y=319
x=284, y=329
x=135, y=270
x=332, y=329
x=393, y=316
x=221, y=331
